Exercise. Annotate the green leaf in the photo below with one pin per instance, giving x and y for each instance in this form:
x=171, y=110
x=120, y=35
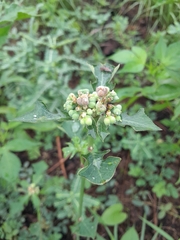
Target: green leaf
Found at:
x=39, y=114
x=131, y=233
x=9, y=166
x=17, y=12
x=139, y=122
x=134, y=60
x=176, y=111
x=103, y=74
x=99, y=170
x=113, y=215
x=4, y=34
x=127, y=92
x=157, y=229
x=19, y=145
x=40, y=167
x=165, y=92
x=161, y=49
x=86, y=228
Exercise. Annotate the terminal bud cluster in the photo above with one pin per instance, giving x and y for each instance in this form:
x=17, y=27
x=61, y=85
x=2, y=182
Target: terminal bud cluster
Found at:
x=88, y=106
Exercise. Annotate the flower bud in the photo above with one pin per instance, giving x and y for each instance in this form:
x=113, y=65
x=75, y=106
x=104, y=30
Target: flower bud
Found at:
x=112, y=119
x=107, y=121
x=102, y=91
x=92, y=104
x=119, y=107
x=75, y=116
x=83, y=100
x=71, y=112
x=89, y=111
x=82, y=121
x=88, y=121
x=69, y=107
x=118, y=118
x=116, y=111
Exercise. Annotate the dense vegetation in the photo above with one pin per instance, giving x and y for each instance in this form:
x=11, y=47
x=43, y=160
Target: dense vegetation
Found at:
x=50, y=186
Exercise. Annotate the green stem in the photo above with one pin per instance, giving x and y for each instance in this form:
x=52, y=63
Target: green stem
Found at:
x=116, y=232
x=143, y=229
x=81, y=196
x=109, y=233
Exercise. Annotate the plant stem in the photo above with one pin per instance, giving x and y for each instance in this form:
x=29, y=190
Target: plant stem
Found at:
x=116, y=232
x=109, y=233
x=81, y=196
x=143, y=229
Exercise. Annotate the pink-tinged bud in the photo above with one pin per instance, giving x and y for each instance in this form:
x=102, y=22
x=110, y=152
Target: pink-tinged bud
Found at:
x=83, y=100
x=102, y=91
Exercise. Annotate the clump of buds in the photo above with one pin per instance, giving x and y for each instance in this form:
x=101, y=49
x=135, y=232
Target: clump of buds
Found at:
x=88, y=106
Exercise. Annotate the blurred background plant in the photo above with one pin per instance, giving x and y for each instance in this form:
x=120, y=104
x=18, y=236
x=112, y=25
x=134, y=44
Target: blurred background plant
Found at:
x=45, y=46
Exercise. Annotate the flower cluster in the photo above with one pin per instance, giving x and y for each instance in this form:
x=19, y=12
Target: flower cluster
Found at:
x=87, y=106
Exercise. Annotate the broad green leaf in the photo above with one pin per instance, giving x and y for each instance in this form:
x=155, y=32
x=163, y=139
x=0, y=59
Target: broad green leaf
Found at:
x=134, y=60
x=86, y=228
x=160, y=49
x=99, y=170
x=157, y=229
x=4, y=34
x=165, y=92
x=127, y=92
x=9, y=166
x=113, y=215
x=131, y=233
x=103, y=74
x=40, y=167
x=19, y=145
x=39, y=114
x=139, y=122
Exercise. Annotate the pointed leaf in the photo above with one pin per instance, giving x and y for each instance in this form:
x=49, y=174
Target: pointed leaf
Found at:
x=39, y=114
x=134, y=60
x=103, y=74
x=99, y=170
x=131, y=233
x=139, y=122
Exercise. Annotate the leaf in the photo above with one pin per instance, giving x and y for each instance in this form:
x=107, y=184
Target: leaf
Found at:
x=165, y=92
x=134, y=59
x=157, y=229
x=131, y=233
x=86, y=228
x=176, y=112
x=39, y=114
x=16, y=12
x=4, y=34
x=161, y=49
x=103, y=74
x=19, y=145
x=113, y=215
x=9, y=166
x=127, y=92
x=40, y=167
x=139, y=122
x=98, y=170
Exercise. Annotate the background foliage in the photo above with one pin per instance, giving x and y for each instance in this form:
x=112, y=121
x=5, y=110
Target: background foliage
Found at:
x=44, y=50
